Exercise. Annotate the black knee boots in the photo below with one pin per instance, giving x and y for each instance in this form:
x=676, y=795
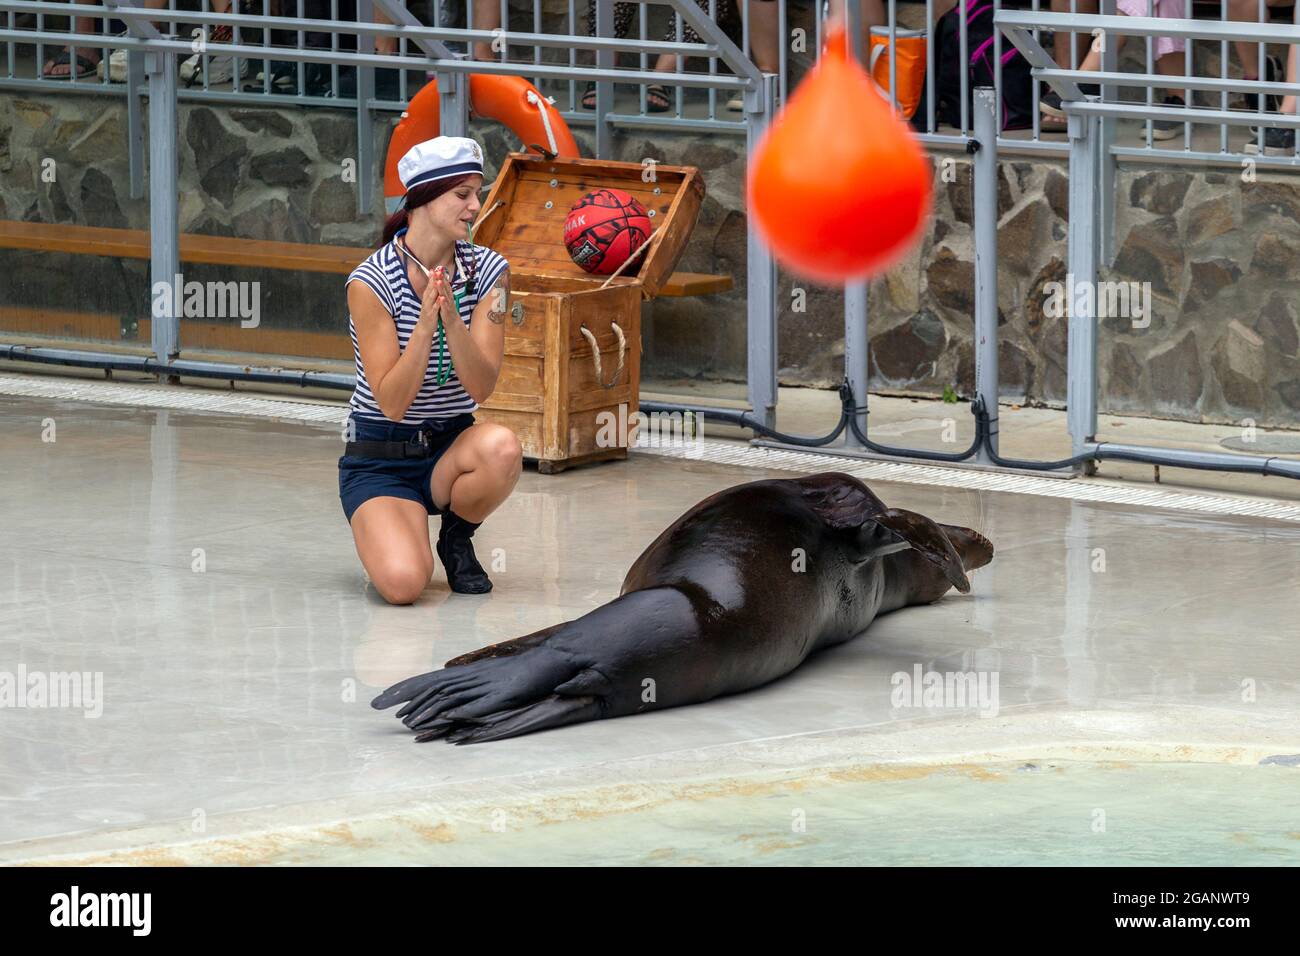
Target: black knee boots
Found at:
x=456, y=552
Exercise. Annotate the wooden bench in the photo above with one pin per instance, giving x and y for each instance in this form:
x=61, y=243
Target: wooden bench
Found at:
x=683, y=284
x=225, y=251
x=250, y=253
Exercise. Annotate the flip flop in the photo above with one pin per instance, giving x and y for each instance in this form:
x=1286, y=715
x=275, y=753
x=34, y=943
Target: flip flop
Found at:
x=85, y=66
x=660, y=91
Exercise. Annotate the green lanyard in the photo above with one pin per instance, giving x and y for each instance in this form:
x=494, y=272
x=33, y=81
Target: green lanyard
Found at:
x=441, y=376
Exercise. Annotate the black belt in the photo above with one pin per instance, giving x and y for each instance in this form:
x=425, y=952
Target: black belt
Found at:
x=419, y=445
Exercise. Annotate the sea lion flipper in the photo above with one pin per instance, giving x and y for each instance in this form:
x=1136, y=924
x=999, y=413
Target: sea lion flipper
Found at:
x=562, y=679
x=839, y=500
x=506, y=648
x=928, y=540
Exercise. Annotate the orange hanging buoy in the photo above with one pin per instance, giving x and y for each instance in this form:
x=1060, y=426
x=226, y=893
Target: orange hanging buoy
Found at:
x=839, y=187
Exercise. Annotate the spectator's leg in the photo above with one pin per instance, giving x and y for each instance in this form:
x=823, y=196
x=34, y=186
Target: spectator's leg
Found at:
x=657, y=97
x=1170, y=56
x=624, y=16
x=1061, y=41
x=763, y=39
x=220, y=68
x=1173, y=64
x=63, y=70
x=487, y=16
x=1274, y=140
x=874, y=14
x=385, y=46
x=1246, y=11
x=1289, y=101
x=1092, y=61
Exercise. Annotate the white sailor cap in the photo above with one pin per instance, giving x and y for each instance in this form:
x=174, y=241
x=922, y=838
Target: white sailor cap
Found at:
x=439, y=158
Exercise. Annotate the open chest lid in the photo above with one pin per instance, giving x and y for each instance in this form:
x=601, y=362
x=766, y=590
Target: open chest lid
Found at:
x=536, y=195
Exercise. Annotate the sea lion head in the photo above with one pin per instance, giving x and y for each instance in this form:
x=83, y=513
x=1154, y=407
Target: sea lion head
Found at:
x=940, y=558
x=925, y=558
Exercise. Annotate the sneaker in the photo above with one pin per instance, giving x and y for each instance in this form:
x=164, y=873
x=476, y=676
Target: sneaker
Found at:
x=320, y=78
x=284, y=78
x=1274, y=72
x=1276, y=142
x=388, y=83
x=218, y=69
x=1168, y=128
x=1050, y=102
x=116, y=65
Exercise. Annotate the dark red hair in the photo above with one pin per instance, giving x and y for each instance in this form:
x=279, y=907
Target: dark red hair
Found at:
x=416, y=198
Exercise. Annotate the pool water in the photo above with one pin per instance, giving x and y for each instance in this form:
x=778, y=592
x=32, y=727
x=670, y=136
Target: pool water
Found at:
x=1053, y=813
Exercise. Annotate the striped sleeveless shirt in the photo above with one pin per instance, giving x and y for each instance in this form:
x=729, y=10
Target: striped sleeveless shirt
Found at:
x=384, y=271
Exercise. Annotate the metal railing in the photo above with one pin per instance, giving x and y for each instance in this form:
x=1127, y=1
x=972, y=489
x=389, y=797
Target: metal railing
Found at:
x=1093, y=153
x=327, y=79
x=152, y=75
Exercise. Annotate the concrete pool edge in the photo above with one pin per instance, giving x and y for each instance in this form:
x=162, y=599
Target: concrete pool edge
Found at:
x=440, y=814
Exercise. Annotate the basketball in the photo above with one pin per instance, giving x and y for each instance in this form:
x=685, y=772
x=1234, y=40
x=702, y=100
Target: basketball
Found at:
x=603, y=228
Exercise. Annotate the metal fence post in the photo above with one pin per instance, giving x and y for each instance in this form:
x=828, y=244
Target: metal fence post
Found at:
x=604, y=89
x=761, y=276
x=857, y=354
x=135, y=75
x=135, y=133
x=365, y=120
x=164, y=240
x=453, y=95
x=985, y=207
x=857, y=334
x=1081, y=275
x=1108, y=170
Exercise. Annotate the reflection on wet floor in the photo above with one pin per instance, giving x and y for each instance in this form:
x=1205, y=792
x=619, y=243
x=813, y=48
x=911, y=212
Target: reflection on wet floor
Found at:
x=202, y=565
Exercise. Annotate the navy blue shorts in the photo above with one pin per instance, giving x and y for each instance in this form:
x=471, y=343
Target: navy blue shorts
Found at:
x=361, y=479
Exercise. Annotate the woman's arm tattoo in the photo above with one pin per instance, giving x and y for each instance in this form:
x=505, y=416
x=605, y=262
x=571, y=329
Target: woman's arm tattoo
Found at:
x=500, y=296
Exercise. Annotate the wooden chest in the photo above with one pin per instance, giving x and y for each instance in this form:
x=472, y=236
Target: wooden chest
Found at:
x=568, y=402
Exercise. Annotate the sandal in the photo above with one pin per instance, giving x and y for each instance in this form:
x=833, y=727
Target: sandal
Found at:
x=656, y=99
x=85, y=66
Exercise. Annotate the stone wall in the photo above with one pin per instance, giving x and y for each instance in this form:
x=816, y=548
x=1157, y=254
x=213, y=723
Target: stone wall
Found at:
x=1222, y=256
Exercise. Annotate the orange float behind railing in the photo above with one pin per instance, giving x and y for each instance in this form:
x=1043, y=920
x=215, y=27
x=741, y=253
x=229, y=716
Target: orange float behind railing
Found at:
x=510, y=100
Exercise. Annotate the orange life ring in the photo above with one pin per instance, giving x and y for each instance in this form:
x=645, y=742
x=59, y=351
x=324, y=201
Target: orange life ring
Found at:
x=510, y=100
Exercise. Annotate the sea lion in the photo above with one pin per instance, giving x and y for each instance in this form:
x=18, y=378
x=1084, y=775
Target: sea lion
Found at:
x=737, y=592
